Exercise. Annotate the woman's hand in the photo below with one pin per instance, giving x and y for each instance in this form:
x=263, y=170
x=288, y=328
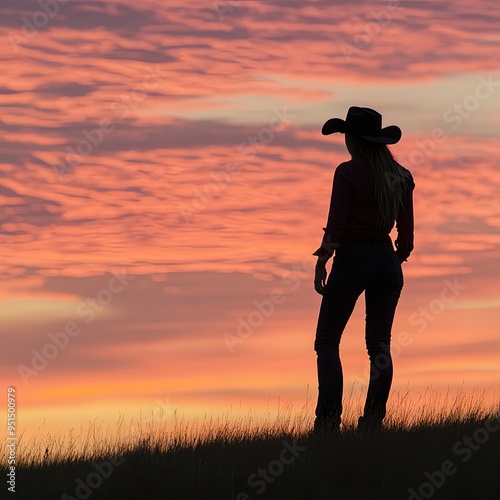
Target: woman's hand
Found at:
x=320, y=279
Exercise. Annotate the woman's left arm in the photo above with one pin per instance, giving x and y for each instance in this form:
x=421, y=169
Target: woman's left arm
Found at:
x=342, y=192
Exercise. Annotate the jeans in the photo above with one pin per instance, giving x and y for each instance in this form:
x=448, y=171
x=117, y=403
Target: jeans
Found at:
x=375, y=268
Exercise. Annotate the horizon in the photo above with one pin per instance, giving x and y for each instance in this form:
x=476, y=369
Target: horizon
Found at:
x=164, y=424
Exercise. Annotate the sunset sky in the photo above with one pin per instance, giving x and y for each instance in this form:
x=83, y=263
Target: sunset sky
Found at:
x=164, y=182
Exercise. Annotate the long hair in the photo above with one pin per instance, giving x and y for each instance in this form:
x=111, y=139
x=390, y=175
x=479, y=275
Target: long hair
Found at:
x=387, y=176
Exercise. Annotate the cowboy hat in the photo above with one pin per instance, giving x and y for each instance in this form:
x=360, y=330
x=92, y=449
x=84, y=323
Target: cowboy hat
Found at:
x=365, y=122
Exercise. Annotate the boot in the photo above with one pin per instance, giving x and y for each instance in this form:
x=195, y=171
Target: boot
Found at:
x=369, y=424
x=326, y=425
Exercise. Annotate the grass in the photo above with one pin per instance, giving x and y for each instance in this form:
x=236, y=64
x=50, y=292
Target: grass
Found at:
x=446, y=449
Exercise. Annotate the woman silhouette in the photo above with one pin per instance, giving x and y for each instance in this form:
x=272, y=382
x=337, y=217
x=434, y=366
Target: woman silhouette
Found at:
x=370, y=192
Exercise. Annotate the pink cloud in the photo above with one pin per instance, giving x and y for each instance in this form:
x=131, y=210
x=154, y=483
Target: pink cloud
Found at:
x=176, y=195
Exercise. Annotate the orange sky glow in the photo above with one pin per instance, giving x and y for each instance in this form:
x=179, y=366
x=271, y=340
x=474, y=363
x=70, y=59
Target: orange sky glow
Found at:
x=164, y=183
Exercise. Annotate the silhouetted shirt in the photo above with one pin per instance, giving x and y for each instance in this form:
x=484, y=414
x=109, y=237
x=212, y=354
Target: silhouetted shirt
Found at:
x=353, y=211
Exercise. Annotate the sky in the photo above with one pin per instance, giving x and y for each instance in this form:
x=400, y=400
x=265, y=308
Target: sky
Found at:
x=164, y=183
